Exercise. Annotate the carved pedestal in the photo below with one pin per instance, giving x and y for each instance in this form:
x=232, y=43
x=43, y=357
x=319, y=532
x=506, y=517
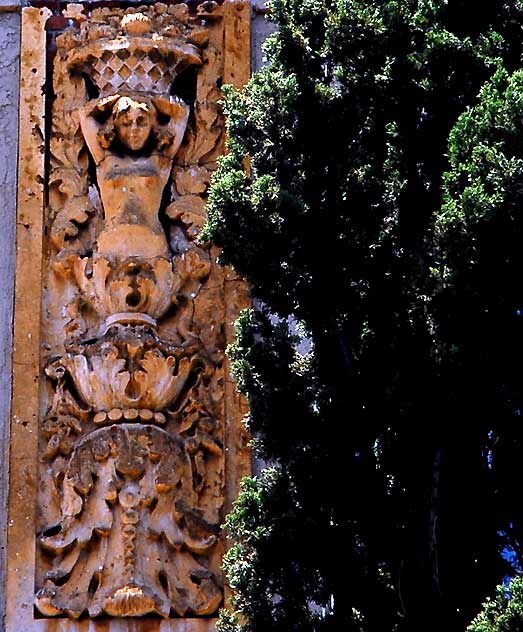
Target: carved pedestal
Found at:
x=126, y=443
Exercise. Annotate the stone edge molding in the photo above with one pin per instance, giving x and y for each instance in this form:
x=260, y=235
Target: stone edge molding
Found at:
x=28, y=374
x=10, y=6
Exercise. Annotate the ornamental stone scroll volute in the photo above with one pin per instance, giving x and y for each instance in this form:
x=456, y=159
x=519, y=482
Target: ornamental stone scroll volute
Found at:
x=137, y=440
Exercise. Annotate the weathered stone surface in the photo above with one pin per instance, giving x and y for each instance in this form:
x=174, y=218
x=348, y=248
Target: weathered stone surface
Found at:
x=237, y=17
x=126, y=431
x=25, y=402
x=9, y=78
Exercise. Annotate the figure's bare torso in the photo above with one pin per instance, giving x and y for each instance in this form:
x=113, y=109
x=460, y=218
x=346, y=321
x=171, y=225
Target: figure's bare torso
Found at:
x=131, y=192
x=132, y=184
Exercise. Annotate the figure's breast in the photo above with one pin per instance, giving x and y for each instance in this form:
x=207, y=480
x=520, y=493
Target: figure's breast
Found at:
x=120, y=171
x=135, y=169
x=122, y=180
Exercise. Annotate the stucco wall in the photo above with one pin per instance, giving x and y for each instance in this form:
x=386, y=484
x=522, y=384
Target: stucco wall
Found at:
x=261, y=28
x=9, y=58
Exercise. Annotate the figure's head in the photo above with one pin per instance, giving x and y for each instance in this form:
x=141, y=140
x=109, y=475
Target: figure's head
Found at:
x=133, y=122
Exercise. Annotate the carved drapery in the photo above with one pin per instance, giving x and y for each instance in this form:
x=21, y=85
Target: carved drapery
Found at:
x=135, y=417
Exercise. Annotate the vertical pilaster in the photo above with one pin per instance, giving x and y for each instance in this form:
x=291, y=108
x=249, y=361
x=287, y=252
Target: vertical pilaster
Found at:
x=26, y=344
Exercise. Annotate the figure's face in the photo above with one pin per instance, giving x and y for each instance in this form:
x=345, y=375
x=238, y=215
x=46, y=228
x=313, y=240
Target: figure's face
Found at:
x=133, y=127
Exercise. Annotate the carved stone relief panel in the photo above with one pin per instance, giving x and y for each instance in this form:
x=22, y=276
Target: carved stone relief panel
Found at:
x=138, y=446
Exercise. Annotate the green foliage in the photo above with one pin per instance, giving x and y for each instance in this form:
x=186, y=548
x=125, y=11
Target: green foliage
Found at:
x=397, y=252
x=483, y=188
x=478, y=236
x=504, y=613
x=256, y=531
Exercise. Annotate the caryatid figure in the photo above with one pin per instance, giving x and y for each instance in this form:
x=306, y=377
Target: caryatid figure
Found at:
x=133, y=141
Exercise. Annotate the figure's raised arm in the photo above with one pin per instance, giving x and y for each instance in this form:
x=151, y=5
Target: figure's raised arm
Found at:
x=91, y=126
x=178, y=113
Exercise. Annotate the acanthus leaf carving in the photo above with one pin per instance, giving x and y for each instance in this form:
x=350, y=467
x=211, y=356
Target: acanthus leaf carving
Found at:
x=122, y=500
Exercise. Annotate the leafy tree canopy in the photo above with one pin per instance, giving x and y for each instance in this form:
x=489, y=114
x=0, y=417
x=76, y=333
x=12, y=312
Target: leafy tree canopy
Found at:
x=391, y=253
x=504, y=613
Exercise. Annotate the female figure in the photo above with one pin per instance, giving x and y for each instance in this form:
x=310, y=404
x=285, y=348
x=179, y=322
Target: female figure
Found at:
x=133, y=152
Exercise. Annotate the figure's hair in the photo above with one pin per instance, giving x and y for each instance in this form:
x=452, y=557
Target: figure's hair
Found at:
x=107, y=134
